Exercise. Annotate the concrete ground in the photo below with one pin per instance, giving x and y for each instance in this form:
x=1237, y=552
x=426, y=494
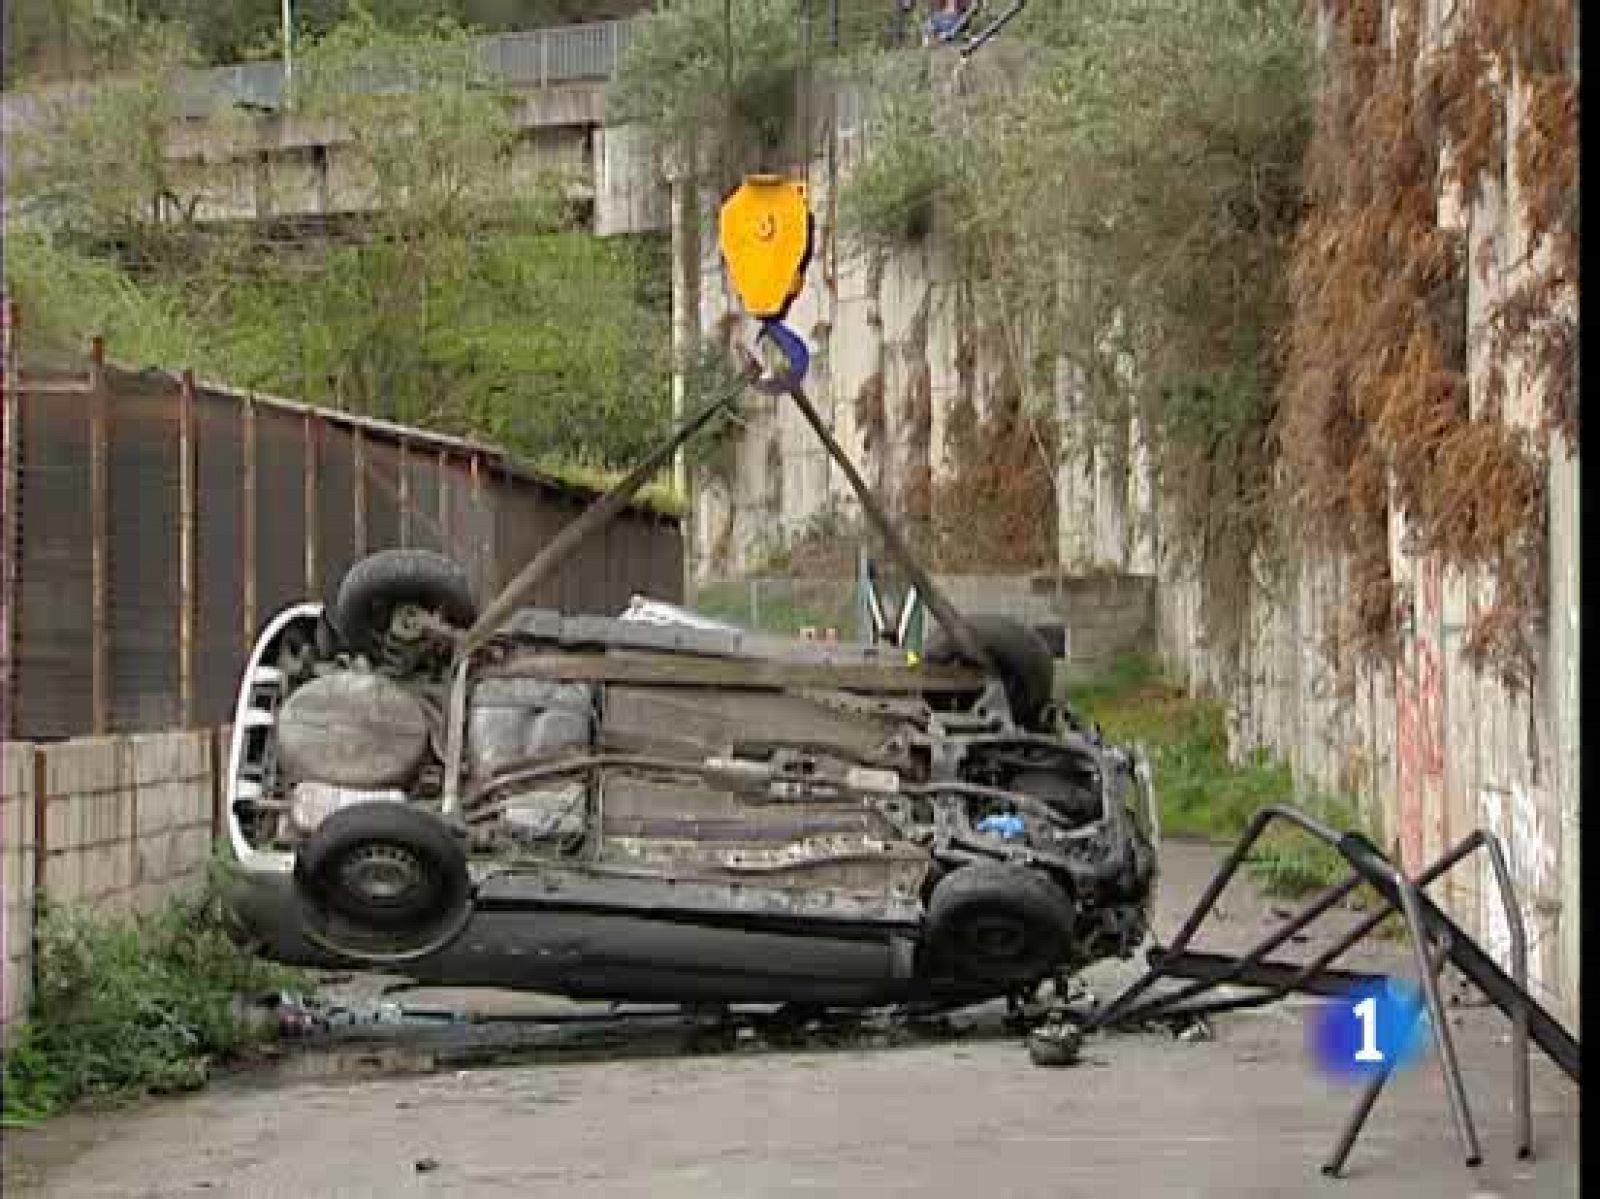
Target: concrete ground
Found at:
x=1242, y=1115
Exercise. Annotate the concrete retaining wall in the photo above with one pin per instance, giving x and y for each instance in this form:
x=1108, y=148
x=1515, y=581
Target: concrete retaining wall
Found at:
x=115, y=823
x=1433, y=747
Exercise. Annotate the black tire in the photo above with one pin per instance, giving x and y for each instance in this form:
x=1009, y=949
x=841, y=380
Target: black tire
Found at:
x=328, y=640
x=377, y=584
x=998, y=924
x=383, y=881
x=1021, y=656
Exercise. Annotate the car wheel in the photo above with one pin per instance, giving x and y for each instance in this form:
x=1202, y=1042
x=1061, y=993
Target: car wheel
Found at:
x=375, y=586
x=1020, y=655
x=383, y=882
x=327, y=639
x=996, y=923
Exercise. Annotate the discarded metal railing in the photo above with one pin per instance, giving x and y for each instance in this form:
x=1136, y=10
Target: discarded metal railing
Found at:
x=1435, y=940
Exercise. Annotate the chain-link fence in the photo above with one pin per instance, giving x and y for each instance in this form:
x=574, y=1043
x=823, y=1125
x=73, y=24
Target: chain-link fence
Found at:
x=1088, y=622
x=840, y=608
x=152, y=525
x=816, y=607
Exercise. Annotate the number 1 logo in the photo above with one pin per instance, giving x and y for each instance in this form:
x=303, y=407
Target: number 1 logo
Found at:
x=1367, y=1012
x=1377, y=1027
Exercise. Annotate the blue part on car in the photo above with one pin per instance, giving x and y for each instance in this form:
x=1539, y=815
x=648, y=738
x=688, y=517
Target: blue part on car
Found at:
x=1008, y=826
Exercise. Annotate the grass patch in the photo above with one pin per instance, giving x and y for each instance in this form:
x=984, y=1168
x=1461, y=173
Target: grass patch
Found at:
x=1202, y=793
x=132, y=1005
x=658, y=495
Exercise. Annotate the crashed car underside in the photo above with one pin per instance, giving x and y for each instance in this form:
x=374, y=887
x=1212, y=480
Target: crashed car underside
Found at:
x=655, y=811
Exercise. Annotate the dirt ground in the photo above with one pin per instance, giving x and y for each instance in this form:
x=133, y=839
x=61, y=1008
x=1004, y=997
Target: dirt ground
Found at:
x=1244, y=1114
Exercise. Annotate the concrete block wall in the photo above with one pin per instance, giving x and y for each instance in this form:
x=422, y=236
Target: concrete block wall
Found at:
x=127, y=819
x=16, y=878
x=126, y=822
x=1106, y=615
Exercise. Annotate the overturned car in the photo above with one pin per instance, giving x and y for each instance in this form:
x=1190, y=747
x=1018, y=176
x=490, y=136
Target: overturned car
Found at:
x=660, y=810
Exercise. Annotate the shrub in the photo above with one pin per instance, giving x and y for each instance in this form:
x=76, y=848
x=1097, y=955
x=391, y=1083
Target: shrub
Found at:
x=130, y=1005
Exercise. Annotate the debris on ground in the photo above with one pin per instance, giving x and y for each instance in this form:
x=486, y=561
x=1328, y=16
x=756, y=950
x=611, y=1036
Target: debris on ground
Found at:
x=297, y=1016
x=1056, y=1044
x=1193, y=1030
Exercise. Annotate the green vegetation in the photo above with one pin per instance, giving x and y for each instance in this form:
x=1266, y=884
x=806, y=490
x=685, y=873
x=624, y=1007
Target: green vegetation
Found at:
x=539, y=342
x=67, y=296
x=132, y=1005
x=658, y=494
x=715, y=81
x=1120, y=184
x=1202, y=793
x=465, y=304
x=895, y=196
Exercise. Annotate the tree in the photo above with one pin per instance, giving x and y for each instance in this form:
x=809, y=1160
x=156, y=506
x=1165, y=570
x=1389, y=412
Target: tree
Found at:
x=53, y=39
x=463, y=305
x=92, y=159
x=1182, y=127
x=714, y=73
x=1121, y=183
x=427, y=136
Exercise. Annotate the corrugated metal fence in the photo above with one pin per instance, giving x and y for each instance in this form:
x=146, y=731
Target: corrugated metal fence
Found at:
x=153, y=524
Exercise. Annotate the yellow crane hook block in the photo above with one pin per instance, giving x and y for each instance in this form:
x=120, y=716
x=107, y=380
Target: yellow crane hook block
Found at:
x=765, y=233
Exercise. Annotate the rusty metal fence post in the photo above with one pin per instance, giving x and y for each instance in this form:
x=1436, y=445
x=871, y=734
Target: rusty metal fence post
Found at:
x=10, y=526
x=358, y=476
x=248, y=473
x=313, y=442
x=445, y=513
x=403, y=487
x=99, y=541
x=186, y=550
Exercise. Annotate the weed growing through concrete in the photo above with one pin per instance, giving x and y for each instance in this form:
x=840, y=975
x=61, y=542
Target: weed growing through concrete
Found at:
x=132, y=1005
x=1203, y=794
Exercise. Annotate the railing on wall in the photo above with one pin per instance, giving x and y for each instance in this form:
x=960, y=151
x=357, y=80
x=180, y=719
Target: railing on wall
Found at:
x=569, y=54
x=153, y=524
x=527, y=59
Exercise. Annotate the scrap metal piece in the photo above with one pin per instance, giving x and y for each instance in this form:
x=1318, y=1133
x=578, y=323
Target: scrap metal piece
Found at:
x=1435, y=939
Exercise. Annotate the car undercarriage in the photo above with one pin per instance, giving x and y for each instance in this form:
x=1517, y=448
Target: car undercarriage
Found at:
x=661, y=811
